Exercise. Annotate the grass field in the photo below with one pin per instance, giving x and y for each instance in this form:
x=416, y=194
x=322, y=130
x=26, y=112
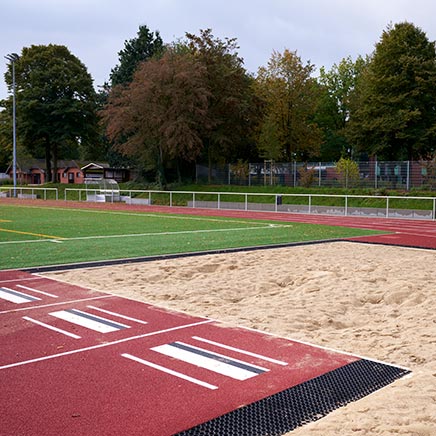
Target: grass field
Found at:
x=36, y=236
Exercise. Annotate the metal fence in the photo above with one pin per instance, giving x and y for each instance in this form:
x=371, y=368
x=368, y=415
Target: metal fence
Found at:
x=423, y=208
x=32, y=193
x=402, y=175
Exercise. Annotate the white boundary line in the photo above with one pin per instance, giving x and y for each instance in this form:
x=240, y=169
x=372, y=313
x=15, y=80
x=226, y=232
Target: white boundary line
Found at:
x=103, y=345
x=151, y=303
x=24, y=279
x=238, y=350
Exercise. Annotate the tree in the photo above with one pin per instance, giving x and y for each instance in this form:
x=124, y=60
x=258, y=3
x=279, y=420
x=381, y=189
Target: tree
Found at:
x=56, y=103
x=395, y=112
x=290, y=96
x=347, y=171
x=232, y=109
x=145, y=46
x=158, y=117
x=334, y=109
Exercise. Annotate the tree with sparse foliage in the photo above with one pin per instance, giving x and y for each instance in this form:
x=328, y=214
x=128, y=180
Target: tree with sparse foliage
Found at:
x=290, y=96
x=395, y=111
x=56, y=101
x=348, y=172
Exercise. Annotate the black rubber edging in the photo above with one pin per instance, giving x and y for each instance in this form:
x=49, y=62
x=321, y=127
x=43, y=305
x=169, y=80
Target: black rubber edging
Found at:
x=302, y=404
x=112, y=262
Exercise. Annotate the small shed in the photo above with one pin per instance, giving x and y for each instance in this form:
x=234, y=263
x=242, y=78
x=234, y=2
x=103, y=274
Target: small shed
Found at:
x=104, y=171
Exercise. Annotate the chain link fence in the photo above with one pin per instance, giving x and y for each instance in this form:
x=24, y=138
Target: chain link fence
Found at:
x=402, y=175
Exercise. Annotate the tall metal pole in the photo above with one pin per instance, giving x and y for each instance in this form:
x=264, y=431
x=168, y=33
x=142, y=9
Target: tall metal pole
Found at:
x=13, y=57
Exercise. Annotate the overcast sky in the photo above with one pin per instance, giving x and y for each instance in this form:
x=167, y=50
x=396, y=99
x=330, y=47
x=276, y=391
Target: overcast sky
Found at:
x=322, y=31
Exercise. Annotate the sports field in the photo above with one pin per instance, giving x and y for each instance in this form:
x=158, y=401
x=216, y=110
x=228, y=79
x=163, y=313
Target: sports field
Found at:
x=34, y=236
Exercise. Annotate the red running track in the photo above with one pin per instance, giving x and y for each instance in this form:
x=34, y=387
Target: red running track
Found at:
x=156, y=372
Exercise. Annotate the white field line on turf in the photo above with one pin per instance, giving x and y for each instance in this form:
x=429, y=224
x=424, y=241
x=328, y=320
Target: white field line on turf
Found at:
x=152, y=215
x=103, y=345
x=182, y=232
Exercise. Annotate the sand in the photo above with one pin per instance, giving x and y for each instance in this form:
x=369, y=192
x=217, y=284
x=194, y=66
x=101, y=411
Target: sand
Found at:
x=374, y=301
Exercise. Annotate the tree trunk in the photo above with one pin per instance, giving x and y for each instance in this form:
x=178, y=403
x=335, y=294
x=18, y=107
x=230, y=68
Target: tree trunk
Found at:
x=209, y=164
x=48, y=174
x=55, y=164
x=161, y=180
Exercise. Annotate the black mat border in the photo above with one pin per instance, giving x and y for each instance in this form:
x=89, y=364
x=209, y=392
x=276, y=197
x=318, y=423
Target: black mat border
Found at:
x=302, y=404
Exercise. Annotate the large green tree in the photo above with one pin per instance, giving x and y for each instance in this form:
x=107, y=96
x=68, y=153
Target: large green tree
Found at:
x=334, y=109
x=146, y=45
x=143, y=47
x=395, y=112
x=290, y=94
x=157, y=119
x=56, y=113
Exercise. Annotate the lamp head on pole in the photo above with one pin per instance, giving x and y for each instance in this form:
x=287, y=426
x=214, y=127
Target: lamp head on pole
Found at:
x=13, y=57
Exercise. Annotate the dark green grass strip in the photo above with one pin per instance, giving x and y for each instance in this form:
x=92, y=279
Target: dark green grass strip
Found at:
x=87, y=236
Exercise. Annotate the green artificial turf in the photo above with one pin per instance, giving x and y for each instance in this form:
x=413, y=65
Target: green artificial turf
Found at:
x=36, y=236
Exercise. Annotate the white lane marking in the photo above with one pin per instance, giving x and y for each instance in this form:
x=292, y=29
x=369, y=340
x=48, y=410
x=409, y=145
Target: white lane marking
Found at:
x=16, y=297
x=105, y=344
x=37, y=291
x=82, y=319
x=50, y=327
x=140, y=321
x=170, y=371
x=239, y=350
x=211, y=361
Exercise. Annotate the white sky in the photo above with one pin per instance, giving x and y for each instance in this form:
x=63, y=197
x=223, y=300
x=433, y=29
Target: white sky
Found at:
x=322, y=31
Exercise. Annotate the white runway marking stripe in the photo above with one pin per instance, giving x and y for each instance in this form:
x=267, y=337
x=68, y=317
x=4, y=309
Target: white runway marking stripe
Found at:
x=16, y=297
x=170, y=371
x=218, y=363
x=104, y=345
x=37, y=291
x=140, y=321
x=50, y=327
x=239, y=350
x=89, y=321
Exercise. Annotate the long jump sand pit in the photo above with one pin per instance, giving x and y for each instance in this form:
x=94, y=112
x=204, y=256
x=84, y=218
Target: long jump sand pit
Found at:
x=375, y=301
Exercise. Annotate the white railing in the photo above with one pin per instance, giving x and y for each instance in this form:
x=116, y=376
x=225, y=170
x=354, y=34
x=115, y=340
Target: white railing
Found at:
x=28, y=192
x=344, y=205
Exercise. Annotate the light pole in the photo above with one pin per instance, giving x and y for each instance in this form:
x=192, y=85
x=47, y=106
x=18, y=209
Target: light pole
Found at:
x=12, y=58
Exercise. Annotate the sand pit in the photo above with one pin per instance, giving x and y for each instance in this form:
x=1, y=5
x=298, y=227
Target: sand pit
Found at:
x=374, y=301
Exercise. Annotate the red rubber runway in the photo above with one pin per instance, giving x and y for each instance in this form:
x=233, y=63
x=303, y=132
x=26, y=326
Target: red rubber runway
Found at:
x=80, y=362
